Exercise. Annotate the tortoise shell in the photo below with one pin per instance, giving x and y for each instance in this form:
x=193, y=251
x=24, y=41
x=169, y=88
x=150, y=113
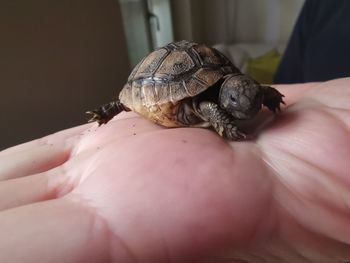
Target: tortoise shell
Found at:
x=169, y=75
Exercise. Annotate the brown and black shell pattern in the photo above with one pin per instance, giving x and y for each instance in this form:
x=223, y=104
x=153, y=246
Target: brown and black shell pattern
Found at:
x=167, y=76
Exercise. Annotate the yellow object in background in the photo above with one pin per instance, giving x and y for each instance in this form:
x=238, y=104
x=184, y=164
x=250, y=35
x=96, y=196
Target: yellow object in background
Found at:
x=263, y=68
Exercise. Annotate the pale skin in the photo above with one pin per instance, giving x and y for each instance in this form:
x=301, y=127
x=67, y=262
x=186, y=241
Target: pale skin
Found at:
x=132, y=191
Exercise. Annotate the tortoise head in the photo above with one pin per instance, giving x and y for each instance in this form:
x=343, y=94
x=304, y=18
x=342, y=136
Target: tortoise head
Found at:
x=240, y=96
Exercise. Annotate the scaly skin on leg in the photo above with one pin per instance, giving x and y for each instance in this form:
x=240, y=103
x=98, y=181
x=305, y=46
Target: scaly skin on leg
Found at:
x=106, y=112
x=272, y=98
x=223, y=123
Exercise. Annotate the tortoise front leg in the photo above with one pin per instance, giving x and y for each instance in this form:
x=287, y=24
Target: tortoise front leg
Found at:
x=272, y=98
x=222, y=122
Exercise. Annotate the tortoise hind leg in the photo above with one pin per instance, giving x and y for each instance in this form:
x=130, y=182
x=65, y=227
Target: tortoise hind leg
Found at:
x=106, y=112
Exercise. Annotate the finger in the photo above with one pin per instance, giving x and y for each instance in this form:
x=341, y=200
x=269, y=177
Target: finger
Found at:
x=63, y=230
x=43, y=186
x=34, y=188
x=54, y=138
x=39, y=155
x=32, y=161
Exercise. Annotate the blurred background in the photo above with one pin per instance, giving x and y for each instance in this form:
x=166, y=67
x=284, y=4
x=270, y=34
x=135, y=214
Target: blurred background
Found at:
x=61, y=58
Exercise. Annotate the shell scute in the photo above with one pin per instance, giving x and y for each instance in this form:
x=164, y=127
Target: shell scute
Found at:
x=208, y=76
x=193, y=87
x=175, y=64
x=151, y=63
x=177, y=91
x=208, y=55
x=148, y=94
x=163, y=92
x=136, y=96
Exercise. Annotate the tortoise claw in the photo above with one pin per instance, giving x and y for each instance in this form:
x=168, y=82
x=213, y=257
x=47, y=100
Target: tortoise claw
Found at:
x=92, y=116
x=105, y=113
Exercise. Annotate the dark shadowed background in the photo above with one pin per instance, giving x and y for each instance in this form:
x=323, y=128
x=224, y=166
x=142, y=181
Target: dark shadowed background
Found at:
x=57, y=59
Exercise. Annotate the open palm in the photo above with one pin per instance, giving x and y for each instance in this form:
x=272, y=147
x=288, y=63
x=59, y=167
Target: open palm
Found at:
x=132, y=191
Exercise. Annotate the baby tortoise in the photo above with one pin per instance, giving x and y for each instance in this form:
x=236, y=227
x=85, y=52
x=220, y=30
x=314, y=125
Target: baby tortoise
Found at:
x=186, y=84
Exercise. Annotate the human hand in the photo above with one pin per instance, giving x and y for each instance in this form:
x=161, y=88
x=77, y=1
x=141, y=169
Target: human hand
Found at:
x=132, y=191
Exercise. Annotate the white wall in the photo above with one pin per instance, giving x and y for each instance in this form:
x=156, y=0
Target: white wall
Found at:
x=164, y=33
x=269, y=21
x=147, y=25
x=136, y=28
x=229, y=21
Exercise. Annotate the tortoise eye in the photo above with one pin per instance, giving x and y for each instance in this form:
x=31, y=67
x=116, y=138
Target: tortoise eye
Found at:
x=233, y=100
